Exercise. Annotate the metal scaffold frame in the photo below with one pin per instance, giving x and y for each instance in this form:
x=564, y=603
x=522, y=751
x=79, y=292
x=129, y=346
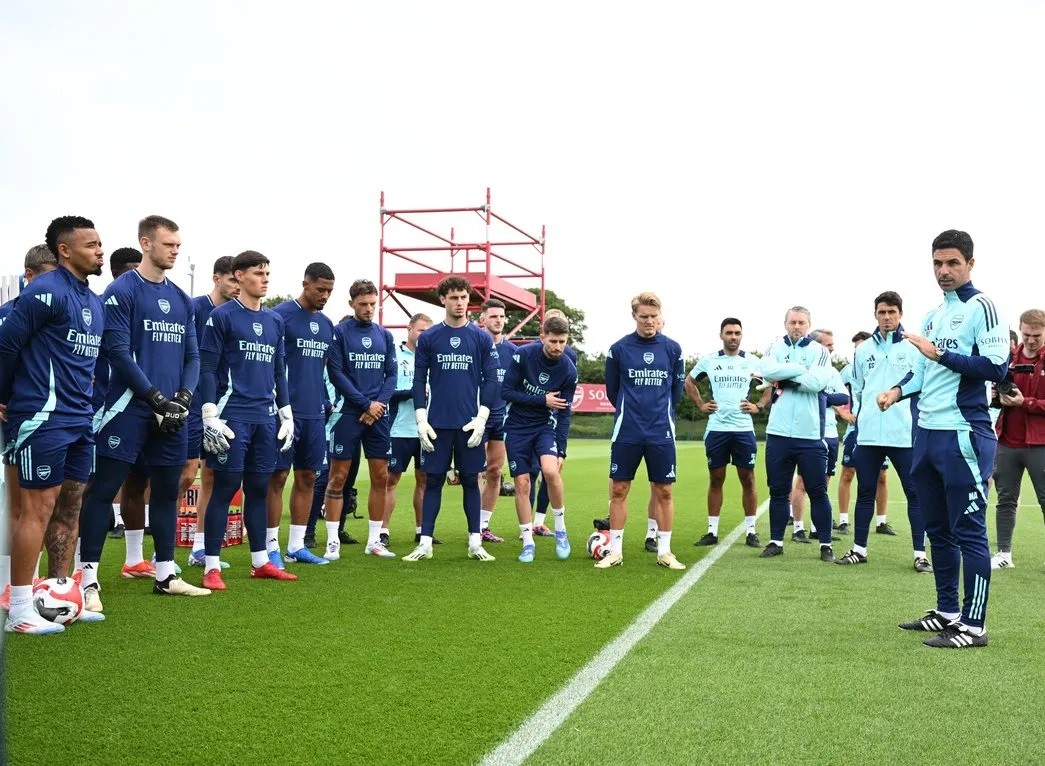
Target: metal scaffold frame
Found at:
x=485, y=264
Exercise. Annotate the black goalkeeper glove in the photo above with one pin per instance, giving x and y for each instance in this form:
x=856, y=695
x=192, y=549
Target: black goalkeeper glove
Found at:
x=170, y=415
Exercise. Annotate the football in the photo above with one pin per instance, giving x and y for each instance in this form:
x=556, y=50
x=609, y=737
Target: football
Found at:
x=58, y=599
x=599, y=544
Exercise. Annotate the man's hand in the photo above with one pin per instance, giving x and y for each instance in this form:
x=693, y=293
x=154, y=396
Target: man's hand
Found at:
x=366, y=419
x=216, y=434
x=887, y=399
x=170, y=415
x=745, y=406
x=847, y=416
x=477, y=426
x=924, y=345
x=286, y=428
x=1015, y=399
x=425, y=433
x=375, y=410
x=554, y=401
x=708, y=407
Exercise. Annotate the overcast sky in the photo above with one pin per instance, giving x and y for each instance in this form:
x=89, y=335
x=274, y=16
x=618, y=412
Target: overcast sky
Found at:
x=736, y=158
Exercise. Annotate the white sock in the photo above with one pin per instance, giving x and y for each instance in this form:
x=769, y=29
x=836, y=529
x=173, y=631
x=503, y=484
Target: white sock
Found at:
x=211, y=562
x=384, y=530
x=749, y=524
x=21, y=599
x=296, y=540
x=484, y=519
x=663, y=543
x=527, y=534
x=616, y=540
x=164, y=569
x=843, y=518
x=272, y=539
x=919, y=555
x=861, y=549
x=373, y=534
x=812, y=529
x=799, y=525
x=651, y=527
x=5, y=571
x=90, y=573
x=146, y=514
x=116, y=514
x=417, y=530
x=538, y=519
x=713, y=525
x=133, y=540
x=426, y=540
x=332, y=532
x=39, y=558
x=259, y=558
x=197, y=541
x=559, y=514
x=974, y=630
x=880, y=519
x=475, y=540
x=946, y=615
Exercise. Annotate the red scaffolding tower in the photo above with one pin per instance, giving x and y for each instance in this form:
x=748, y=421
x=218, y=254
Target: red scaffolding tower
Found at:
x=480, y=256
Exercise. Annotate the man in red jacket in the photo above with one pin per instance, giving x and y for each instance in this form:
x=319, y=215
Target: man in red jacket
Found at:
x=1021, y=431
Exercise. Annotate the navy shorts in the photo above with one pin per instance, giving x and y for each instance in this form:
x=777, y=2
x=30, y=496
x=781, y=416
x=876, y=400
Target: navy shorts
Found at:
x=452, y=444
x=404, y=449
x=725, y=447
x=133, y=436
x=526, y=448
x=832, y=454
x=49, y=452
x=309, y=448
x=252, y=451
x=347, y=433
x=495, y=427
x=195, y=432
x=848, y=448
x=660, y=461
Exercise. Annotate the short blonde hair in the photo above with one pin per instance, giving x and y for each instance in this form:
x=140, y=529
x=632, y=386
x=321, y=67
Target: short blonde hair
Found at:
x=644, y=299
x=1033, y=317
x=554, y=313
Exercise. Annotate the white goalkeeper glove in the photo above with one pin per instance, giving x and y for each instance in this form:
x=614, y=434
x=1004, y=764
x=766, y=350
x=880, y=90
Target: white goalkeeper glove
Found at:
x=216, y=434
x=286, y=428
x=477, y=426
x=424, y=431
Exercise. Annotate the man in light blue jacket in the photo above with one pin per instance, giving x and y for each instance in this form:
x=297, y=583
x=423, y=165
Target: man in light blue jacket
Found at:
x=885, y=358
x=795, y=434
x=964, y=342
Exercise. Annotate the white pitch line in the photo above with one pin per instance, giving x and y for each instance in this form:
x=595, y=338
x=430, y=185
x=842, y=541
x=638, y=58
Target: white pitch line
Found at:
x=536, y=729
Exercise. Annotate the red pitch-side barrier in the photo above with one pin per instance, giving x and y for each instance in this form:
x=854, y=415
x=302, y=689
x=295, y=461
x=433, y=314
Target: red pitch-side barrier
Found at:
x=591, y=397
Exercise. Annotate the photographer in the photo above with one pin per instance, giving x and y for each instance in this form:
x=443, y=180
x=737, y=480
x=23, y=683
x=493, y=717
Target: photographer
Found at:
x=1021, y=430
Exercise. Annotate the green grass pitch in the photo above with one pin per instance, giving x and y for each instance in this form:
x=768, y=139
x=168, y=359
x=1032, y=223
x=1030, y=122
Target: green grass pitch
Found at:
x=376, y=661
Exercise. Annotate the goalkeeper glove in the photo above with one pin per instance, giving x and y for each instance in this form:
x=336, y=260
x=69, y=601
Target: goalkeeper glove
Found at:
x=286, y=428
x=424, y=431
x=477, y=426
x=170, y=415
x=216, y=434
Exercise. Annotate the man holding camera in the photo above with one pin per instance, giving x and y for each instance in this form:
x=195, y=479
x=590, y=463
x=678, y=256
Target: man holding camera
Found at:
x=1021, y=431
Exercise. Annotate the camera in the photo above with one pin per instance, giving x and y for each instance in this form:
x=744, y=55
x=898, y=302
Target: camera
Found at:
x=1007, y=385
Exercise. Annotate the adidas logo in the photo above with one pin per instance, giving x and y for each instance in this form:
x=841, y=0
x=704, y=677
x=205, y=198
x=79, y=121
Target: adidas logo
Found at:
x=111, y=301
x=44, y=298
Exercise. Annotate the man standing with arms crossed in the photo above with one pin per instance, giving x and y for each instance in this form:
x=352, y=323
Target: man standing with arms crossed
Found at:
x=882, y=360
x=963, y=343
x=455, y=374
x=150, y=346
x=730, y=434
x=48, y=349
x=307, y=336
x=247, y=340
x=795, y=433
x=225, y=289
x=645, y=375
x=492, y=320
